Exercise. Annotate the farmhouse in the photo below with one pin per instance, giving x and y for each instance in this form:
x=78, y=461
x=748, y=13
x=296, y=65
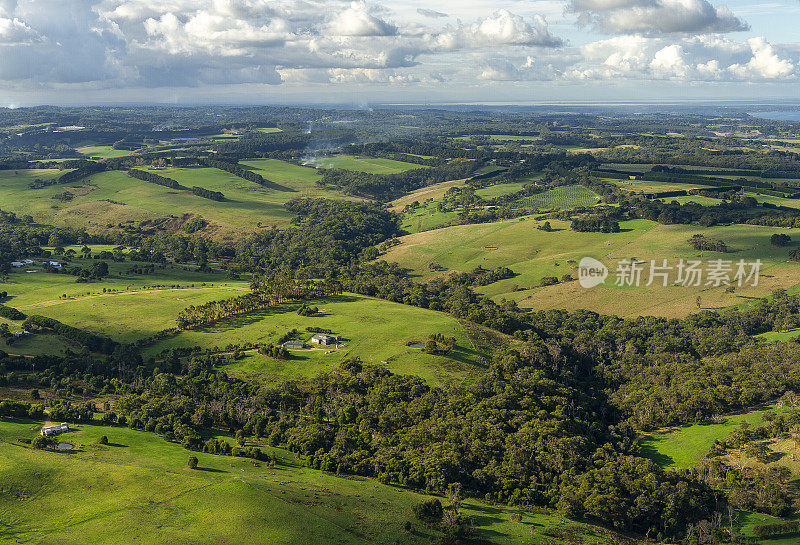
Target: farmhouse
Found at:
x=55, y=430
x=325, y=338
x=294, y=345
x=17, y=263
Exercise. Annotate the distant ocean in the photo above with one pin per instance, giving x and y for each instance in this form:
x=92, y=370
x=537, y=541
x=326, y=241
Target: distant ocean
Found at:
x=778, y=116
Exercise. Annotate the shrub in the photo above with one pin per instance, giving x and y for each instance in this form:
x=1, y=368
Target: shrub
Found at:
x=192, y=464
x=429, y=511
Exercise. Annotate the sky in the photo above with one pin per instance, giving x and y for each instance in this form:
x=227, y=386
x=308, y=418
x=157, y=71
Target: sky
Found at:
x=403, y=51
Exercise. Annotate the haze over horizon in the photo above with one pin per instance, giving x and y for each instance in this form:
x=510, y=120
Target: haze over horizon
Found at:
x=334, y=52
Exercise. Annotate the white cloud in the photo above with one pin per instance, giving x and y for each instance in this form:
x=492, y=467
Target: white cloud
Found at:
x=357, y=20
x=501, y=28
x=153, y=43
x=655, y=17
x=433, y=14
x=765, y=63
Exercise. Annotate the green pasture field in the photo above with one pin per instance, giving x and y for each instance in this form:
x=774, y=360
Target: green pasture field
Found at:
x=498, y=190
x=682, y=448
x=103, y=152
x=110, y=198
x=425, y=218
x=699, y=199
x=646, y=187
x=269, y=130
x=562, y=198
x=534, y=254
x=121, y=492
x=372, y=165
x=431, y=192
x=132, y=308
x=374, y=330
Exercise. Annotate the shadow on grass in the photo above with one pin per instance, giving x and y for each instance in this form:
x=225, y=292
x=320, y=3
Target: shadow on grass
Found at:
x=210, y=469
x=648, y=450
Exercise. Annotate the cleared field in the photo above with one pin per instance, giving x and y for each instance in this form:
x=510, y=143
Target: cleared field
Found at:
x=103, y=152
x=139, y=482
x=684, y=447
x=109, y=198
x=646, y=187
x=374, y=330
x=498, y=190
x=425, y=218
x=566, y=197
x=699, y=199
x=534, y=254
x=131, y=308
x=501, y=137
x=372, y=165
x=434, y=192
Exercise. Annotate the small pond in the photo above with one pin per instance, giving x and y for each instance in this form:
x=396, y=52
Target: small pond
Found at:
x=65, y=446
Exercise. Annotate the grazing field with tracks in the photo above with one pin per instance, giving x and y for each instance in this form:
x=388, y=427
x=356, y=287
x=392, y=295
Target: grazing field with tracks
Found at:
x=534, y=254
x=108, y=199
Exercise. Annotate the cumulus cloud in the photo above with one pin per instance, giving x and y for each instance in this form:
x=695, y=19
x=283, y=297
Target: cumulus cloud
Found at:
x=433, y=14
x=358, y=20
x=654, y=17
x=502, y=28
x=154, y=43
x=696, y=59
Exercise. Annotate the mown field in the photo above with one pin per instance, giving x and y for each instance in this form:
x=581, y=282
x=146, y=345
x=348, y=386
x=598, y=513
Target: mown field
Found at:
x=534, y=254
x=109, y=198
x=137, y=489
x=372, y=165
x=102, y=152
x=682, y=448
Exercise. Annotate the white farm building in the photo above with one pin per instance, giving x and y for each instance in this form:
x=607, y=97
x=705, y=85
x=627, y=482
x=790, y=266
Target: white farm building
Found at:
x=55, y=430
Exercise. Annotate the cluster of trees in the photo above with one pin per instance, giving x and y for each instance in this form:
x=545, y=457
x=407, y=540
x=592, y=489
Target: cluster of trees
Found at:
x=701, y=243
x=95, y=271
x=208, y=194
x=212, y=312
x=327, y=234
x=82, y=169
x=237, y=170
x=154, y=178
x=273, y=351
x=95, y=343
x=386, y=187
x=778, y=529
x=780, y=239
x=11, y=313
x=595, y=224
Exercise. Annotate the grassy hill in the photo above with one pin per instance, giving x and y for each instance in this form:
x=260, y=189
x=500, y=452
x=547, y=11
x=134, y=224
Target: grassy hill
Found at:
x=534, y=254
x=110, y=198
x=139, y=482
x=374, y=330
x=136, y=306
